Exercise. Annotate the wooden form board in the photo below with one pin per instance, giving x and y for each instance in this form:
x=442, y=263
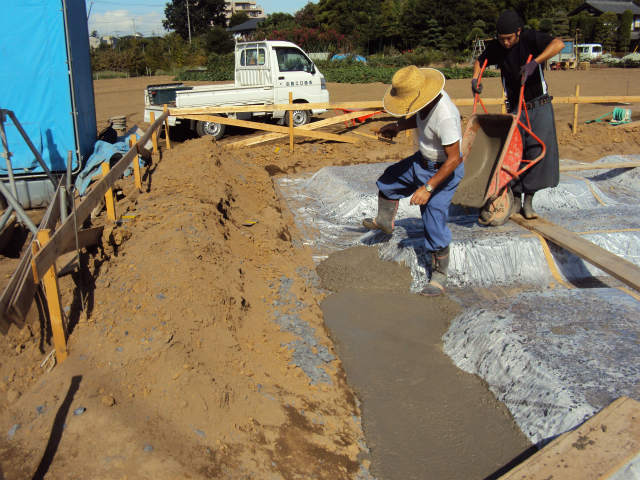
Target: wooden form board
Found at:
x=273, y=128
x=598, y=166
x=377, y=105
x=366, y=105
x=66, y=232
x=596, y=450
x=309, y=126
x=614, y=265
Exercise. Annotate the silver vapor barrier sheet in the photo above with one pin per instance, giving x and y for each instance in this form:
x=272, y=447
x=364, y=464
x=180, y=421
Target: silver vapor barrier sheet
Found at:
x=554, y=356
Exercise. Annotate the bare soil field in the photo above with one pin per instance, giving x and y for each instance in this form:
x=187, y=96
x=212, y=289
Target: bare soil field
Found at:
x=197, y=343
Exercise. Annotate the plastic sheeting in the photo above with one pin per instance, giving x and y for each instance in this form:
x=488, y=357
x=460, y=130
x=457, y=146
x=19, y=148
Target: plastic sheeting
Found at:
x=554, y=357
x=36, y=85
x=599, y=204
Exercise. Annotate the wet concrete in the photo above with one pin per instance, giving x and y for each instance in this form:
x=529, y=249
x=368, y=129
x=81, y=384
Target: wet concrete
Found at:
x=423, y=417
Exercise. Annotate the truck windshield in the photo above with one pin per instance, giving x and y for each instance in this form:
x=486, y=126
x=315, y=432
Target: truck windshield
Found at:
x=292, y=60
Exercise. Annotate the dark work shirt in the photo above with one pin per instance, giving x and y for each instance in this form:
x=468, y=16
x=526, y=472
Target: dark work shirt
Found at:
x=509, y=61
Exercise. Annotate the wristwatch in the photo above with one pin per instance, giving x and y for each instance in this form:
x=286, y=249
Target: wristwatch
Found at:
x=428, y=187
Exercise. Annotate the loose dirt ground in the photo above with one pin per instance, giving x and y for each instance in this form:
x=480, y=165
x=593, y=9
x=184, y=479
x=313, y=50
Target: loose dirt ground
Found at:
x=186, y=323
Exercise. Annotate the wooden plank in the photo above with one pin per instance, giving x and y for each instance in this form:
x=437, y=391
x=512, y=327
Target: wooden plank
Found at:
x=47, y=255
x=108, y=196
x=574, y=127
x=598, y=166
x=136, y=163
x=614, y=265
x=595, y=450
x=365, y=105
x=273, y=128
x=54, y=304
x=309, y=126
x=377, y=105
x=290, y=124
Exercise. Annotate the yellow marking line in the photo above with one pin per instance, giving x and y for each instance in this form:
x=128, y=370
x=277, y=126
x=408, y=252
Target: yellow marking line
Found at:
x=551, y=262
x=593, y=192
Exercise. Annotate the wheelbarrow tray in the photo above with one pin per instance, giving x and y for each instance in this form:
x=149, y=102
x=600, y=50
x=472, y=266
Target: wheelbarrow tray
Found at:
x=492, y=152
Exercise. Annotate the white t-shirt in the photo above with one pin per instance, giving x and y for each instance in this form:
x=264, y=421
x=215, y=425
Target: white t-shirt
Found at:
x=440, y=127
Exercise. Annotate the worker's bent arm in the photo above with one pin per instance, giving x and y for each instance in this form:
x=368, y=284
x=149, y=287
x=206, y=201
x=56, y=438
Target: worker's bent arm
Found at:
x=390, y=130
x=476, y=68
x=552, y=49
x=421, y=196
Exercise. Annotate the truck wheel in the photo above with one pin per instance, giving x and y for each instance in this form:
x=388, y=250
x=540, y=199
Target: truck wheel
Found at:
x=300, y=117
x=213, y=129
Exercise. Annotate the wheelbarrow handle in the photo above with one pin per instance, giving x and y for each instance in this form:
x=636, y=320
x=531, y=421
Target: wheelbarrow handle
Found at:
x=521, y=100
x=476, y=96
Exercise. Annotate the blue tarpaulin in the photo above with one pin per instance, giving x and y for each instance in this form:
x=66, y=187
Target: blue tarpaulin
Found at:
x=53, y=103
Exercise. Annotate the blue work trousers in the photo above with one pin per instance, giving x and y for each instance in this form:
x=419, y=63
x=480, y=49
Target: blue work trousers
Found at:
x=403, y=178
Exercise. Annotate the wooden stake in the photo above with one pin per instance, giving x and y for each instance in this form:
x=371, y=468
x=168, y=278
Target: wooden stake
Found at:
x=154, y=135
x=290, y=124
x=166, y=128
x=136, y=163
x=503, y=105
x=575, y=111
x=52, y=292
x=108, y=196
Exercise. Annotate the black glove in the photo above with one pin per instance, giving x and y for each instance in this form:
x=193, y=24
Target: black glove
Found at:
x=527, y=69
x=475, y=88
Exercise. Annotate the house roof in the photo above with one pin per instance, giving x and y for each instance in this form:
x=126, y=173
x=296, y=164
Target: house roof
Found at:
x=616, y=6
x=249, y=25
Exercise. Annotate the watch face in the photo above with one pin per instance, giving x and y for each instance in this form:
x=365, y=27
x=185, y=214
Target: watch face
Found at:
x=429, y=188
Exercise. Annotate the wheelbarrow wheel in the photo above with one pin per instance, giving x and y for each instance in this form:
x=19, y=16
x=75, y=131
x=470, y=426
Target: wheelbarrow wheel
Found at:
x=497, y=213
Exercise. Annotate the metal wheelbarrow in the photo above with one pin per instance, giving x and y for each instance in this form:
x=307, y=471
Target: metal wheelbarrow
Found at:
x=492, y=150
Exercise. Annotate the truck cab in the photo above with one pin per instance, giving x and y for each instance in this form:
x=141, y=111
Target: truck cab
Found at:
x=589, y=51
x=265, y=73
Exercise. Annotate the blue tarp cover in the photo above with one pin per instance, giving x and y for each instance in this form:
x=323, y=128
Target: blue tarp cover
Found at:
x=35, y=82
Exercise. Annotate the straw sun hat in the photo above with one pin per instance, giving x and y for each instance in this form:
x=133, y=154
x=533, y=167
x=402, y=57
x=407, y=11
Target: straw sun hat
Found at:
x=411, y=89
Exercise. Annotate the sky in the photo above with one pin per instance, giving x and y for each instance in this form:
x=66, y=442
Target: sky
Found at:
x=121, y=17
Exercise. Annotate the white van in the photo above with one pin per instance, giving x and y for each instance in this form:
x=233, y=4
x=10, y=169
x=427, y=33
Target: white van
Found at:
x=589, y=51
x=265, y=73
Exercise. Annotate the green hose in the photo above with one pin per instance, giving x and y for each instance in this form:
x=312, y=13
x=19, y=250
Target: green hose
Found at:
x=618, y=116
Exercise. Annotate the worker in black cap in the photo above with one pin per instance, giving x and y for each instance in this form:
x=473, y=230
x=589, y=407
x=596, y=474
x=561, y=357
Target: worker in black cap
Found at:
x=510, y=51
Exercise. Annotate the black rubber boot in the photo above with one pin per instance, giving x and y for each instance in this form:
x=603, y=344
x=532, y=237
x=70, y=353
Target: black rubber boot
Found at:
x=527, y=207
x=386, y=214
x=439, y=269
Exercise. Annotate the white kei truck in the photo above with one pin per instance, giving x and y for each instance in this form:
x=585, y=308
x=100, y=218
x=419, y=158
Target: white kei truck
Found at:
x=265, y=73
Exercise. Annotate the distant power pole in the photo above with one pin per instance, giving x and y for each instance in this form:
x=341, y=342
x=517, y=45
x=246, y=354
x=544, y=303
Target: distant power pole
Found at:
x=188, y=22
x=134, y=26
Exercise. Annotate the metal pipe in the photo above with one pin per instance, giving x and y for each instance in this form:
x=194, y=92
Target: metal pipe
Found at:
x=22, y=215
x=7, y=155
x=31, y=146
x=63, y=203
x=68, y=179
x=5, y=217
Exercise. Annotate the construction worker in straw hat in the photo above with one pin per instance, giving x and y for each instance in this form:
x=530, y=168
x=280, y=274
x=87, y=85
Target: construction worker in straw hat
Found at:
x=510, y=51
x=432, y=174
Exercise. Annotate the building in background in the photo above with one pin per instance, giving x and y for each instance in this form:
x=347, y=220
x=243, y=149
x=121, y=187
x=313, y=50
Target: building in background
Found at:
x=250, y=8
x=598, y=7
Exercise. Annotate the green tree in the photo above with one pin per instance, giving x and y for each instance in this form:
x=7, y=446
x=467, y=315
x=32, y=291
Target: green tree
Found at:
x=219, y=41
x=624, y=30
x=202, y=14
x=560, y=23
x=238, y=18
x=306, y=16
x=605, y=30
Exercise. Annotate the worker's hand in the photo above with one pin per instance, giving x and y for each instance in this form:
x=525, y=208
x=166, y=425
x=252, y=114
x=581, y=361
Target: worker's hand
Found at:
x=420, y=196
x=527, y=69
x=475, y=88
x=389, y=130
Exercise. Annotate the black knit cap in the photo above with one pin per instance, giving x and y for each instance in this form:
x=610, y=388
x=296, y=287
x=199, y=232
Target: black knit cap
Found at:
x=508, y=22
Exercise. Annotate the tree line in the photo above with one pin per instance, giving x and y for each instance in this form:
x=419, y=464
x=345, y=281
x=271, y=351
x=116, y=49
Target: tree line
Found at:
x=365, y=27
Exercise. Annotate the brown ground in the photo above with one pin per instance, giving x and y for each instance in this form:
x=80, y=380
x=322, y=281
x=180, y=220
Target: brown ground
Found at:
x=177, y=357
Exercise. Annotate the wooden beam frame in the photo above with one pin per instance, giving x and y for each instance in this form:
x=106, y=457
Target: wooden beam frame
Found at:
x=309, y=126
x=273, y=128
